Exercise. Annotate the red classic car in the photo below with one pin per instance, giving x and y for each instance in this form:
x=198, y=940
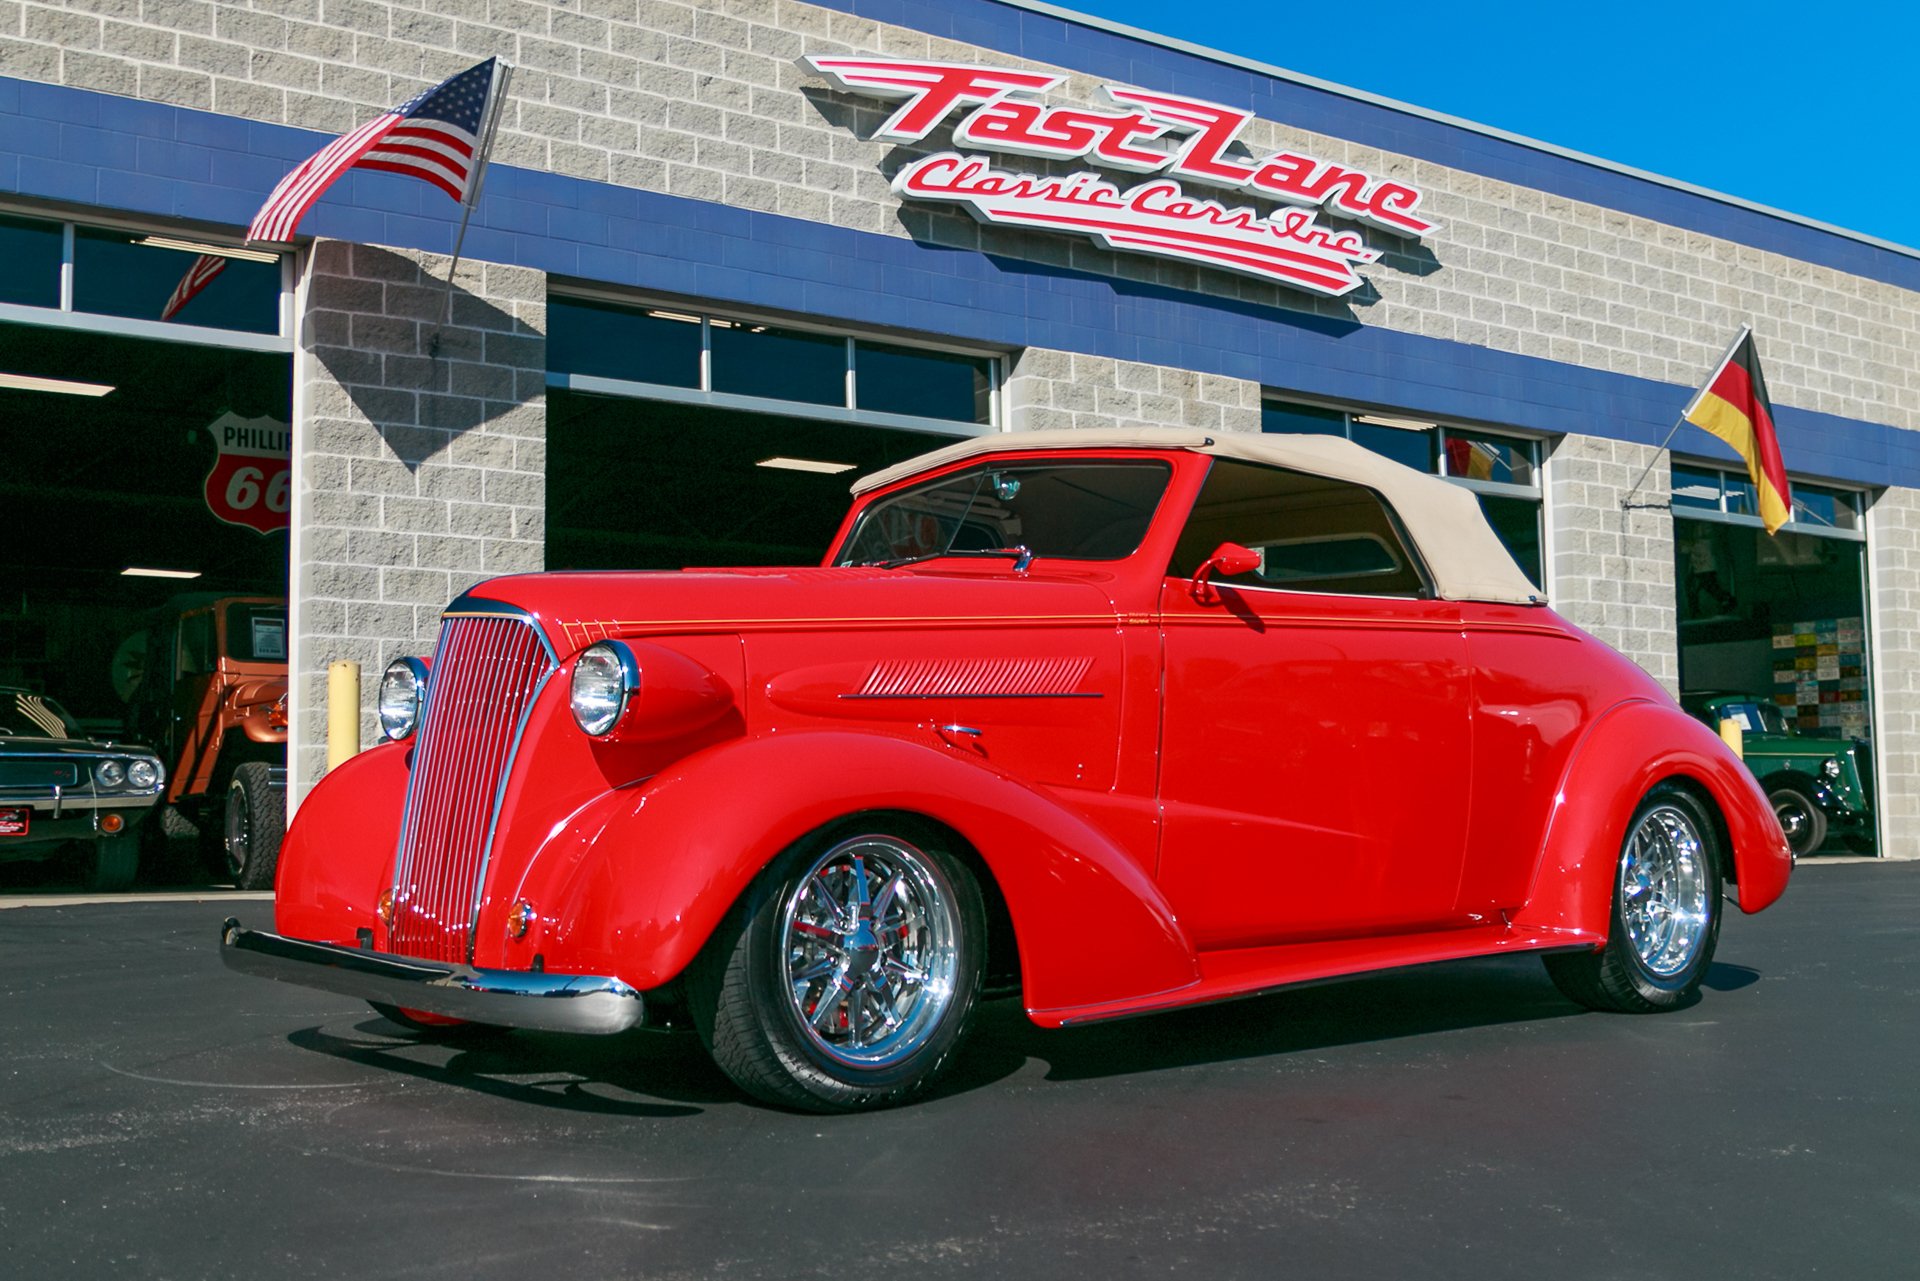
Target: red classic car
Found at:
x=1131, y=720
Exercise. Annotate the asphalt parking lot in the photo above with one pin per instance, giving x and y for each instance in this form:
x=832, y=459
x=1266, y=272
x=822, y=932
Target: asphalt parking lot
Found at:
x=161, y=1117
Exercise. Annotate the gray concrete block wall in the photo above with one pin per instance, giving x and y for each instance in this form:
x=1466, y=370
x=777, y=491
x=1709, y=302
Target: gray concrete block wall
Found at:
x=706, y=101
x=1612, y=563
x=420, y=459
x=1046, y=388
x=1893, y=544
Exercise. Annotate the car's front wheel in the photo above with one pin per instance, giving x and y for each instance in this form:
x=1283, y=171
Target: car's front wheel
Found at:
x=1802, y=820
x=1666, y=913
x=255, y=819
x=847, y=978
x=115, y=861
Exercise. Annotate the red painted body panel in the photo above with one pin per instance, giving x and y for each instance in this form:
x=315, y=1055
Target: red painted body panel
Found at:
x=1179, y=799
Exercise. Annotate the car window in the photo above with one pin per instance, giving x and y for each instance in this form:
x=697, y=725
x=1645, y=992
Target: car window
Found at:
x=196, y=644
x=1312, y=533
x=1072, y=511
x=257, y=633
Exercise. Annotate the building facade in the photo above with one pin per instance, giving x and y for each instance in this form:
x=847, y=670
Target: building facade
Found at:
x=718, y=235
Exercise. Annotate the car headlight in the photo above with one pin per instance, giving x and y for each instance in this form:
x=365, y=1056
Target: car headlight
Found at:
x=1830, y=767
x=605, y=679
x=109, y=773
x=403, y=692
x=143, y=774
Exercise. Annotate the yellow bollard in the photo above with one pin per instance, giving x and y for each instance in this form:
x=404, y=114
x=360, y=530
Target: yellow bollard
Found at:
x=343, y=712
x=1735, y=737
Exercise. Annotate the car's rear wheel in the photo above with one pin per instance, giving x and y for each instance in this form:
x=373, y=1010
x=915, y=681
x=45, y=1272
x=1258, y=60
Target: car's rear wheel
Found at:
x=847, y=977
x=115, y=861
x=255, y=819
x=1801, y=819
x=1666, y=913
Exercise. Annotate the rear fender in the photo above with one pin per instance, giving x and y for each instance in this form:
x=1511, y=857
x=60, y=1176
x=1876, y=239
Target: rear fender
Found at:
x=1625, y=753
x=637, y=881
x=337, y=856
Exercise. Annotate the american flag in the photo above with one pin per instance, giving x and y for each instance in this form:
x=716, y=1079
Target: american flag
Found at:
x=198, y=277
x=435, y=137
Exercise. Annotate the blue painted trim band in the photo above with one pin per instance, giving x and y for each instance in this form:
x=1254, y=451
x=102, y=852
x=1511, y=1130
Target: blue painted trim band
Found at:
x=1110, y=55
x=80, y=147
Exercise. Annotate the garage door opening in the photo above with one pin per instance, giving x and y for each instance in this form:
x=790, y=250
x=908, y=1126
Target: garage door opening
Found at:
x=1774, y=635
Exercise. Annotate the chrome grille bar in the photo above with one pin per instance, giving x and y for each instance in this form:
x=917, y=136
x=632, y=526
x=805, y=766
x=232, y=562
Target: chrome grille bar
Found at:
x=489, y=666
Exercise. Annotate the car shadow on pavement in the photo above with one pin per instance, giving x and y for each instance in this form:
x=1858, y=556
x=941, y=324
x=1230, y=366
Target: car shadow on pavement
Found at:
x=1386, y=1007
x=584, y=1074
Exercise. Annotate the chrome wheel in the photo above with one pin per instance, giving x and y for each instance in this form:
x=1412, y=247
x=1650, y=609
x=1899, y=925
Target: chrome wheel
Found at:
x=870, y=937
x=1666, y=890
x=239, y=833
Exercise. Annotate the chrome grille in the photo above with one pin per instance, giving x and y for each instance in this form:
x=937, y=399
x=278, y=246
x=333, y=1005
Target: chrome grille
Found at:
x=487, y=669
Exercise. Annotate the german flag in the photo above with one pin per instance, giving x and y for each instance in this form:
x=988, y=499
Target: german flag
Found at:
x=1734, y=406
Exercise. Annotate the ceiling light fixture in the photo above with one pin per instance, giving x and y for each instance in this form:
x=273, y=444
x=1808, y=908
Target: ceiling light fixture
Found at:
x=136, y=571
x=199, y=247
x=805, y=464
x=1401, y=424
x=27, y=382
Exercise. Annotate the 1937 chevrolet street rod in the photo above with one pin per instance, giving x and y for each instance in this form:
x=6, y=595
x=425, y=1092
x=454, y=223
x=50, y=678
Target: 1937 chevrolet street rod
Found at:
x=1134, y=720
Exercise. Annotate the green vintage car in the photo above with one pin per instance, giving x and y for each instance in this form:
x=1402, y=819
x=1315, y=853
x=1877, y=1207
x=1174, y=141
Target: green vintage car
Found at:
x=1818, y=786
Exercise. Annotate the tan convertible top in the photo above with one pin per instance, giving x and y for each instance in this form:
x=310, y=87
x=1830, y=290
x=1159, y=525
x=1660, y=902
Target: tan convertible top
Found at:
x=1444, y=520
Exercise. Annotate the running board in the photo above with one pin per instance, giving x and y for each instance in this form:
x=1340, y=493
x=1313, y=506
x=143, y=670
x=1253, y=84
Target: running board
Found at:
x=1255, y=971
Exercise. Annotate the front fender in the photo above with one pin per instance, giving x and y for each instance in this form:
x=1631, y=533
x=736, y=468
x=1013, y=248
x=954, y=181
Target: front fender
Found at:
x=1624, y=753
x=338, y=855
x=636, y=884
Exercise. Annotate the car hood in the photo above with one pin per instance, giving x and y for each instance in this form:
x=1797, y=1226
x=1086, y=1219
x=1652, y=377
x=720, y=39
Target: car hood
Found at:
x=576, y=609
x=17, y=745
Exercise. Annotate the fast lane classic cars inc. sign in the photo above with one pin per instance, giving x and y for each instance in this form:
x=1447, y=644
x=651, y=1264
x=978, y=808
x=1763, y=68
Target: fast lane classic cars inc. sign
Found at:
x=252, y=474
x=1161, y=138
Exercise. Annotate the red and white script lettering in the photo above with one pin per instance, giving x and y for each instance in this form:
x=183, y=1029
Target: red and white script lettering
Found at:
x=1153, y=217
x=1151, y=133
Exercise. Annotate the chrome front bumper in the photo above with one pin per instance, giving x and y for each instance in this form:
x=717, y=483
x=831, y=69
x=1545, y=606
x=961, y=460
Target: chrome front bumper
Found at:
x=505, y=998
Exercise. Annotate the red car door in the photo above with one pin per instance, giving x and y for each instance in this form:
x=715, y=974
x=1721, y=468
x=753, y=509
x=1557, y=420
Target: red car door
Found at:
x=1315, y=763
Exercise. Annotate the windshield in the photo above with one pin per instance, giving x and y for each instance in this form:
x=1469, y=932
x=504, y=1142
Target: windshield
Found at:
x=1755, y=718
x=257, y=633
x=1068, y=510
x=24, y=715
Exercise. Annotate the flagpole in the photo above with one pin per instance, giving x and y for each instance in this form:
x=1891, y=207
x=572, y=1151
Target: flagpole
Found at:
x=1691, y=404
x=503, y=75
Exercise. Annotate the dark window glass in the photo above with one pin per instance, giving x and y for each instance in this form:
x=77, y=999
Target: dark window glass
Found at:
x=114, y=275
x=1474, y=456
x=1074, y=511
x=1313, y=534
x=1411, y=447
x=1517, y=522
x=1824, y=508
x=1740, y=497
x=196, y=644
x=1299, y=420
x=29, y=262
x=927, y=384
x=1696, y=487
x=257, y=633
x=779, y=364
x=604, y=341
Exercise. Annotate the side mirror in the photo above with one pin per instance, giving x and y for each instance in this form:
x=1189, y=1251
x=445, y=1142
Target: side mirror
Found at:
x=1228, y=559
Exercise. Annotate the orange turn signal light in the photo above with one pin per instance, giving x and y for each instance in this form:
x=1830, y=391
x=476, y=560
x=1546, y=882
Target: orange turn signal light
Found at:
x=519, y=920
x=384, y=908
x=111, y=823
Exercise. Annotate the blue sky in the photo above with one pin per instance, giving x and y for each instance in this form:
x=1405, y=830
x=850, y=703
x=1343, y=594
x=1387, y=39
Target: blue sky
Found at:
x=1805, y=107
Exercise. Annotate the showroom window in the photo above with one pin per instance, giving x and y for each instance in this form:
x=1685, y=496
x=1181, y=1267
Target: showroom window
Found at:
x=737, y=362
x=121, y=280
x=1503, y=471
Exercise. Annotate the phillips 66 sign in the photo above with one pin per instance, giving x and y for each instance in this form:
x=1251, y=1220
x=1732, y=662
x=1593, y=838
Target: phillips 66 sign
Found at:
x=250, y=481
x=1158, y=141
